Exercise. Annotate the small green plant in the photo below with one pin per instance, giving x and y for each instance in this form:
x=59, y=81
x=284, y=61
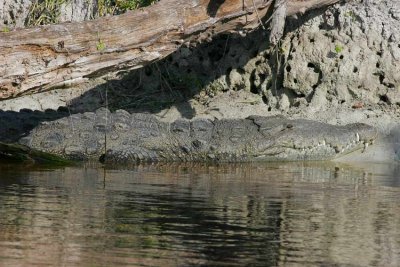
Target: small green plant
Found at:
x=338, y=48
x=350, y=14
x=5, y=29
x=100, y=46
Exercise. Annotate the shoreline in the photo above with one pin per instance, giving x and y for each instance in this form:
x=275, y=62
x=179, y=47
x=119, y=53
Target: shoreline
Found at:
x=339, y=66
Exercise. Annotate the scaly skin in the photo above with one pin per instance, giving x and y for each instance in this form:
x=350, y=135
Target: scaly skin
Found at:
x=126, y=138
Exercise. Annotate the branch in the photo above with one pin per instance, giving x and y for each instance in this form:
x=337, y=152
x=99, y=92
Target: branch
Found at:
x=278, y=21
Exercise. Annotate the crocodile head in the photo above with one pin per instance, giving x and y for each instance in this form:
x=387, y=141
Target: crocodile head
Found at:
x=302, y=139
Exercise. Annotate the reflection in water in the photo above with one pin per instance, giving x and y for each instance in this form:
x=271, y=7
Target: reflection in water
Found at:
x=193, y=215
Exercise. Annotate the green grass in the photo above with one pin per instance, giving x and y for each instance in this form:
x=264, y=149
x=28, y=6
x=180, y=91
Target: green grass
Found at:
x=115, y=7
x=43, y=12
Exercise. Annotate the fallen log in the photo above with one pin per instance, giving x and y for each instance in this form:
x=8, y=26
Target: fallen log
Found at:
x=57, y=56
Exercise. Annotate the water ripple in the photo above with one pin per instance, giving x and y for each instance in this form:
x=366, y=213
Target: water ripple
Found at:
x=294, y=214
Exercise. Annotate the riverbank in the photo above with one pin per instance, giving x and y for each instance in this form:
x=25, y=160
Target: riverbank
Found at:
x=340, y=66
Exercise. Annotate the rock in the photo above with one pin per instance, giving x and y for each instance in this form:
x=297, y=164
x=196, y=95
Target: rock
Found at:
x=319, y=101
x=355, y=57
x=235, y=80
x=393, y=95
x=284, y=103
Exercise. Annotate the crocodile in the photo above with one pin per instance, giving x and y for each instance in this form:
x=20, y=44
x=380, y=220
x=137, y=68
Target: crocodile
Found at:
x=121, y=137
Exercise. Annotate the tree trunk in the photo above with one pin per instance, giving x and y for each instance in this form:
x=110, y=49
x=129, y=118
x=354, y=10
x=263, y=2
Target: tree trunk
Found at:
x=56, y=56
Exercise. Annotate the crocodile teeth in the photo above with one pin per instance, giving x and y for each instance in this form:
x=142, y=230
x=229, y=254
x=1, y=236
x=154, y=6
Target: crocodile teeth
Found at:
x=357, y=137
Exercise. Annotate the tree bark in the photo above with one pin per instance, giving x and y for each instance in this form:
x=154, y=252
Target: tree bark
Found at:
x=56, y=56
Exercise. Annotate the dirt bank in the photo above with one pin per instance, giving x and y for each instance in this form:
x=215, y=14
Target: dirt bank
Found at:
x=340, y=65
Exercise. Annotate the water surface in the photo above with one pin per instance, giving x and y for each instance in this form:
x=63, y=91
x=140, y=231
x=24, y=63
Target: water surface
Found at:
x=293, y=214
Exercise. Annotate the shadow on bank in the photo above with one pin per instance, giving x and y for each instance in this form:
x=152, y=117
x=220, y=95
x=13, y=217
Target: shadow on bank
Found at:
x=196, y=72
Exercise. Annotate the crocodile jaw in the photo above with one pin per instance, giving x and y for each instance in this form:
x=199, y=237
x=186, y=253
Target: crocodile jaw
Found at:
x=303, y=144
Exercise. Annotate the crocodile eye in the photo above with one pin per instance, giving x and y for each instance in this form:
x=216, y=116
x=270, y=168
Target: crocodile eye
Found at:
x=289, y=126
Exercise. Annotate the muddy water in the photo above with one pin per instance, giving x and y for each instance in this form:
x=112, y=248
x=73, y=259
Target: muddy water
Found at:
x=296, y=214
